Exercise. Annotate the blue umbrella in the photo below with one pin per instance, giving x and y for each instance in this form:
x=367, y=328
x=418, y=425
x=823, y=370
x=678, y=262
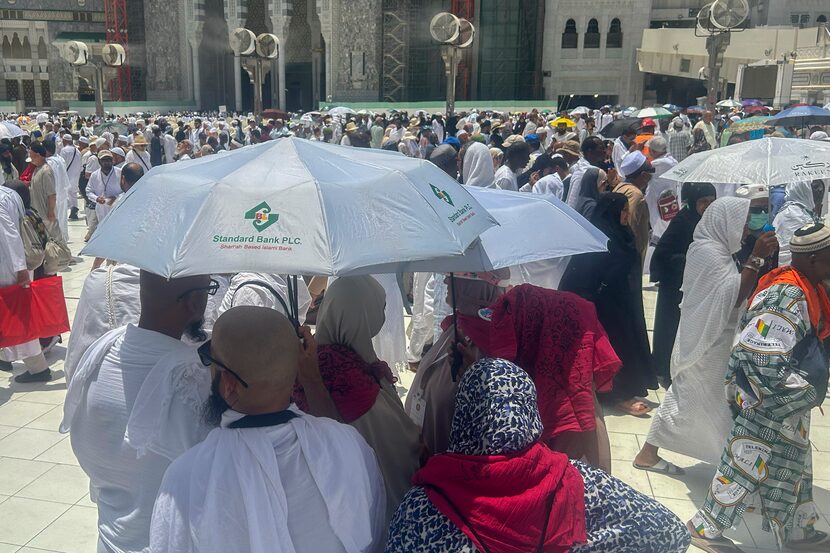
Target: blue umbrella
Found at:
x=800, y=116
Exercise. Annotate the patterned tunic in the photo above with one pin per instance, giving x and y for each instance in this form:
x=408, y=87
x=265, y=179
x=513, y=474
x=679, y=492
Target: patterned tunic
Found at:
x=767, y=457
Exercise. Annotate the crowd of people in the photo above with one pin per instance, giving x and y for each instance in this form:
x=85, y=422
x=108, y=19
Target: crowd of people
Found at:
x=208, y=419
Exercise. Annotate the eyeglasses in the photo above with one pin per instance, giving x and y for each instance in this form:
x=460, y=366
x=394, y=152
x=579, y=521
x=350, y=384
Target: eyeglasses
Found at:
x=207, y=361
x=211, y=290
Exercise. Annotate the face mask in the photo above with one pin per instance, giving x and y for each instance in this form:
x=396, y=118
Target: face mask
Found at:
x=757, y=221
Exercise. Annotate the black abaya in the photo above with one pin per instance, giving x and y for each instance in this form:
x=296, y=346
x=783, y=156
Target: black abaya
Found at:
x=611, y=280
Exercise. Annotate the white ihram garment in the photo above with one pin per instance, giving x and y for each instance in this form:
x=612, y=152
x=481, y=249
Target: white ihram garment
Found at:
x=420, y=326
x=74, y=164
x=133, y=406
x=109, y=300
x=12, y=260
x=306, y=486
x=62, y=191
x=694, y=418
x=142, y=158
x=255, y=295
x=108, y=186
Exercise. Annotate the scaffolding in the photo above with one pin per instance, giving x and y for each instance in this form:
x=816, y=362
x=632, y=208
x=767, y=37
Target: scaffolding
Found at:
x=395, y=51
x=115, y=17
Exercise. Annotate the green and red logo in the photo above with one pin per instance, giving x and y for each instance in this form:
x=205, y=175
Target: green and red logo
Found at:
x=262, y=216
x=441, y=194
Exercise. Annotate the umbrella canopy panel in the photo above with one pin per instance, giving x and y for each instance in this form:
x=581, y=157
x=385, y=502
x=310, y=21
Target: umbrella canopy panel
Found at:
x=557, y=231
x=769, y=161
x=290, y=206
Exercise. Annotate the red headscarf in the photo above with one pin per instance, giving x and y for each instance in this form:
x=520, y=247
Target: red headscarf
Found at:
x=510, y=503
x=353, y=383
x=556, y=337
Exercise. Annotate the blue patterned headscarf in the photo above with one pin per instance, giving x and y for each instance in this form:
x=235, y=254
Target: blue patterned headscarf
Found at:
x=495, y=410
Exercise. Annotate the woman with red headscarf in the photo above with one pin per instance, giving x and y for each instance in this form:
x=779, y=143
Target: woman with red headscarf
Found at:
x=499, y=490
x=556, y=337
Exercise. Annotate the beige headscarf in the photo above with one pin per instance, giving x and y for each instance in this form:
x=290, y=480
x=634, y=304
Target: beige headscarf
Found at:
x=352, y=314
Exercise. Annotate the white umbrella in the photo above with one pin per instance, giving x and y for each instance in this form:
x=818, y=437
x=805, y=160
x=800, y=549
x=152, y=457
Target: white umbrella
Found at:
x=290, y=206
x=654, y=113
x=342, y=110
x=10, y=130
x=769, y=161
x=580, y=110
x=729, y=103
x=532, y=227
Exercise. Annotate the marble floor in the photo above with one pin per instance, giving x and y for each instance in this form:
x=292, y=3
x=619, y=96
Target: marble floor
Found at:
x=44, y=495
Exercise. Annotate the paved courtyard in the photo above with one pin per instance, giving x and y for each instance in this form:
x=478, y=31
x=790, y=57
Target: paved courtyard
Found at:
x=44, y=495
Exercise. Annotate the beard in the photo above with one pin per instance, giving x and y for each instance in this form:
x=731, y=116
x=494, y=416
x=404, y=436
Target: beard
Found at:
x=215, y=405
x=6, y=164
x=195, y=332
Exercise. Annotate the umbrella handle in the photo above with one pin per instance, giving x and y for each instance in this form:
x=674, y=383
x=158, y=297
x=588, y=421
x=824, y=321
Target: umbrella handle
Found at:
x=457, y=359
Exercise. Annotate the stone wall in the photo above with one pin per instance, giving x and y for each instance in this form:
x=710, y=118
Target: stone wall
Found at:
x=589, y=71
x=356, y=50
x=166, y=71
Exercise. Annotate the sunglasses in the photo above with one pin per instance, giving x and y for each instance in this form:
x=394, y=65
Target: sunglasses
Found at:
x=211, y=290
x=207, y=361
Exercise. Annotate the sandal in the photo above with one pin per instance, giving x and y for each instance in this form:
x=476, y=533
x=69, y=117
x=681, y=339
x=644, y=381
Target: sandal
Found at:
x=816, y=543
x=720, y=545
x=662, y=467
x=630, y=408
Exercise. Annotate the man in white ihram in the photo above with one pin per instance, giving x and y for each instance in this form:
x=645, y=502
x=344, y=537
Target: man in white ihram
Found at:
x=270, y=478
x=134, y=405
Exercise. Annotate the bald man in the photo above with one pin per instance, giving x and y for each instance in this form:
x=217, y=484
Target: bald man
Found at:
x=270, y=478
x=134, y=404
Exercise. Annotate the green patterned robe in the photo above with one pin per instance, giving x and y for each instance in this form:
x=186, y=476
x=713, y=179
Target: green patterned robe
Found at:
x=767, y=460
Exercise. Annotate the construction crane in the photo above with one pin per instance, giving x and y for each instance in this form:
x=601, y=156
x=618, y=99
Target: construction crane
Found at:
x=115, y=17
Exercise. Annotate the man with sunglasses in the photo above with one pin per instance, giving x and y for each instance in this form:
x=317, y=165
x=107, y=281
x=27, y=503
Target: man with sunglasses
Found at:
x=134, y=405
x=270, y=478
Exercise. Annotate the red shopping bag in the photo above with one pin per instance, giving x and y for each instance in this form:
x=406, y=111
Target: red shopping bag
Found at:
x=30, y=313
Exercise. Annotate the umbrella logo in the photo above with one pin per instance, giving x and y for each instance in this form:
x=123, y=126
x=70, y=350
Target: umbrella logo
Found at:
x=262, y=216
x=441, y=194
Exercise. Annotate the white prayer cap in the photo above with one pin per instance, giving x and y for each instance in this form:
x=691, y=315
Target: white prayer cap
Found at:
x=810, y=238
x=100, y=142
x=83, y=140
x=819, y=135
x=632, y=162
x=122, y=138
x=119, y=151
x=460, y=133
x=735, y=118
x=67, y=137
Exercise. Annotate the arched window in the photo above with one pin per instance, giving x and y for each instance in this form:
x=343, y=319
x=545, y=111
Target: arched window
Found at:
x=27, y=48
x=570, y=37
x=42, y=53
x=17, y=47
x=615, y=35
x=7, y=47
x=821, y=19
x=592, y=34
